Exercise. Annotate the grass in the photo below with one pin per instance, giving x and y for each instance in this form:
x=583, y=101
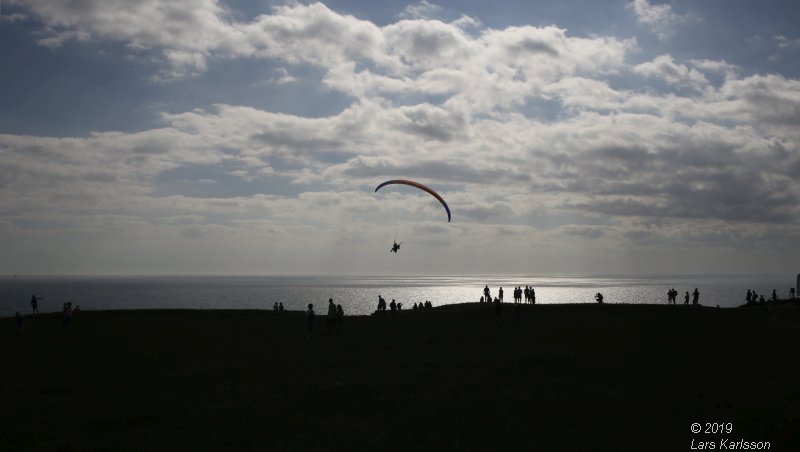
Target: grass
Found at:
x=544, y=377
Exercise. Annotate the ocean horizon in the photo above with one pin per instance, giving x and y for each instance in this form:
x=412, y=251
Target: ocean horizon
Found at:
x=359, y=294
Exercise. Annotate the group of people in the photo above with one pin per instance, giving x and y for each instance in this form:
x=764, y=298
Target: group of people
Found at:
x=334, y=320
x=672, y=296
x=421, y=305
x=753, y=298
x=67, y=311
x=394, y=306
x=528, y=292
x=278, y=307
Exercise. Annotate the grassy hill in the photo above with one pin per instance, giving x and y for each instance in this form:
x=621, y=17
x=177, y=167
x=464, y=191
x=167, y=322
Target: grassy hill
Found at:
x=544, y=377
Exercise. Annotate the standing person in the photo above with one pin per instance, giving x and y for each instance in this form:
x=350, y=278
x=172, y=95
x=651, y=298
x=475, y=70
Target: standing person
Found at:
x=275, y=306
x=309, y=321
x=686, y=299
x=280, y=306
x=330, y=320
x=486, y=293
x=35, y=304
x=695, y=296
x=527, y=295
x=791, y=293
x=533, y=296
x=68, y=313
x=500, y=292
x=340, y=315
x=749, y=297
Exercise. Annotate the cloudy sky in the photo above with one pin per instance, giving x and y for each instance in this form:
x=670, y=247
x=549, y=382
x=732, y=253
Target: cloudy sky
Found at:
x=247, y=137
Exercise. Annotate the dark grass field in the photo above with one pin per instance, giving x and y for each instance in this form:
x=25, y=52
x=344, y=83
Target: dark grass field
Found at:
x=546, y=377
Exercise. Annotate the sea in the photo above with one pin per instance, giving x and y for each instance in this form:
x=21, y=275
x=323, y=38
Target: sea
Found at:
x=358, y=295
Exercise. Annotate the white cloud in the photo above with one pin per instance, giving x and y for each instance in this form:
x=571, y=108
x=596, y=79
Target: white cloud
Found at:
x=665, y=68
x=611, y=165
x=660, y=18
x=786, y=43
x=421, y=10
x=719, y=66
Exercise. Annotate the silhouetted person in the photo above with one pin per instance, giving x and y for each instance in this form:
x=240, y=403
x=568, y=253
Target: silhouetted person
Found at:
x=486, y=294
x=791, y=293
x=381, y=304
x=330, y=319
x=481, y=300
x=695, y=296
x=686, y=299
x=67, y=320
x=18, y=318
x=35, y=303
x=533, y=296
x=527, y=295
x=393, y=306
x=339, y=315
x=774, y=296
x=280, y=306
x=599, y=297
x=749, y=297
x=500, y=293
x=761, y=300
x=309, y=320
x=275, y=306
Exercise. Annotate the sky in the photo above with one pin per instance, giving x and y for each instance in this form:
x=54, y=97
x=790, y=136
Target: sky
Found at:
x=247, y=137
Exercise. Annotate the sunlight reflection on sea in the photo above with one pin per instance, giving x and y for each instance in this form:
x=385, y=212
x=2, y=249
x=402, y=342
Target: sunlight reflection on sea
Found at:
x=359, y=295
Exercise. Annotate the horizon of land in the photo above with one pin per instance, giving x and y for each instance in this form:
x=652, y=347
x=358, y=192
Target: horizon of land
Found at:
x=552, y=376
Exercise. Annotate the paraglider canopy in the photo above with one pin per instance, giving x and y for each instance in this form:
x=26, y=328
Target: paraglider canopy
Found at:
x=421, y=187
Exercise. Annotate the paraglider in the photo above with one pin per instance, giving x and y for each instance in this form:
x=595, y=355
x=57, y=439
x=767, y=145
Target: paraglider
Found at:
x=421, y=187
x=396, y=245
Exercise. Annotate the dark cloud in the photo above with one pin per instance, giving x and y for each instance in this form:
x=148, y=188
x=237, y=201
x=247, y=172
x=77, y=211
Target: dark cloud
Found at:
x=536, y=46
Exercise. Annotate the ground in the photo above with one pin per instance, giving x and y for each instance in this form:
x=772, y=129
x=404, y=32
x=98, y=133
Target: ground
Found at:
x=544, y=377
